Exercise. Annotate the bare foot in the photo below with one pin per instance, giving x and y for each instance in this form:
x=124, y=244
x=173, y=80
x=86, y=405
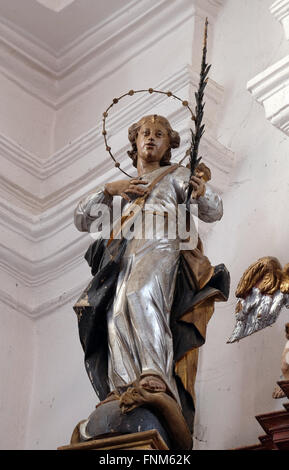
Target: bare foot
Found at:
x=165, y=406
x=153, y=383
x=112, y=396
x=132, y=398
x=278, y=392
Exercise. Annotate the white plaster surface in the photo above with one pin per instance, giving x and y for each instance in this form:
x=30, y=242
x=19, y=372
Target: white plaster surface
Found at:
x=270, y=86
x=51, y=157
x=280, y=9
x=17, y=376
x=62, y=394
x=55, y=5
x=235, y=382
x=25, y=119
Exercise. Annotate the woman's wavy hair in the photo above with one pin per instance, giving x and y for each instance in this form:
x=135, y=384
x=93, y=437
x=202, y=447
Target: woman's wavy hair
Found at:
x=173, y=135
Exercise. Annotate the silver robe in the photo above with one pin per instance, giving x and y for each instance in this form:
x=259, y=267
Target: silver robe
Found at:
x=139, y=335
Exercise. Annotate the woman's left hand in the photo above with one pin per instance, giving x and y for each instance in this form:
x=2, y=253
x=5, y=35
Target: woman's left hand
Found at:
x=199, y=187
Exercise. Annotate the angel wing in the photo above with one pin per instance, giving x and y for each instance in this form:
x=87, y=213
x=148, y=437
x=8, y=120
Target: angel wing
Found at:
x=263, y=290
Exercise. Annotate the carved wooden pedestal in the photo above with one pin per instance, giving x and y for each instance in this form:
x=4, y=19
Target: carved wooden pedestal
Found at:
x=147, y=440
x=276, y=426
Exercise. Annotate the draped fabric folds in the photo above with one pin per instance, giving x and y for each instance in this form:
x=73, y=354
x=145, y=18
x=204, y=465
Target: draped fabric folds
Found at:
x=198, y=287
x=169, y=301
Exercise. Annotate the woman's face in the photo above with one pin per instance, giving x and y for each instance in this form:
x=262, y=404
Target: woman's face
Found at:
x=152, y=141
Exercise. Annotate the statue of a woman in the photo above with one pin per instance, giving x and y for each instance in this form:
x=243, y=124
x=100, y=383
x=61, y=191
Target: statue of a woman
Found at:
x=146, y=330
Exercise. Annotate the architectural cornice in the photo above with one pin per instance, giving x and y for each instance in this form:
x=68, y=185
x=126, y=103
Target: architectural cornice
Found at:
x=24, y=252
x=37, y=266
x=55, y=77
x=271, y=87
x=40, y=184
x=55, y=5
x=40, y=309
x=280, y=9
x=40, y=251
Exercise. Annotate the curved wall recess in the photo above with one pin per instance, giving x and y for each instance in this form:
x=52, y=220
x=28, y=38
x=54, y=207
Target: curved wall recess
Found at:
x=55, y=5
x=271, y=87
x=41, y=252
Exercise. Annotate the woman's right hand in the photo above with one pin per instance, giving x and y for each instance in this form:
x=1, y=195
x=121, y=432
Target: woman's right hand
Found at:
x=128, y=189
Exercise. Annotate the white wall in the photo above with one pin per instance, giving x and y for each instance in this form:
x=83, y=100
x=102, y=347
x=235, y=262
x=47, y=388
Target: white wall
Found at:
x=17, y=375
x=235, y=382
x=58, y=156
x=25, y=119
x=62, y=393
x=144, y=69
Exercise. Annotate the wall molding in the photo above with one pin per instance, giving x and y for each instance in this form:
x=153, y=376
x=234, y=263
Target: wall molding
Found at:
x=55, y=5
x=271, y=87
x=38, y=311
x=40, y=243
x=54, y=178
x=56, y=77
x=41, y=252
x=280, y=9
x=38, y=250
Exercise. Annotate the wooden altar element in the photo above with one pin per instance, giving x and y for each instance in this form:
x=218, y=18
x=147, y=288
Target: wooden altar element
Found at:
x=275, y=425
x=147, y=440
